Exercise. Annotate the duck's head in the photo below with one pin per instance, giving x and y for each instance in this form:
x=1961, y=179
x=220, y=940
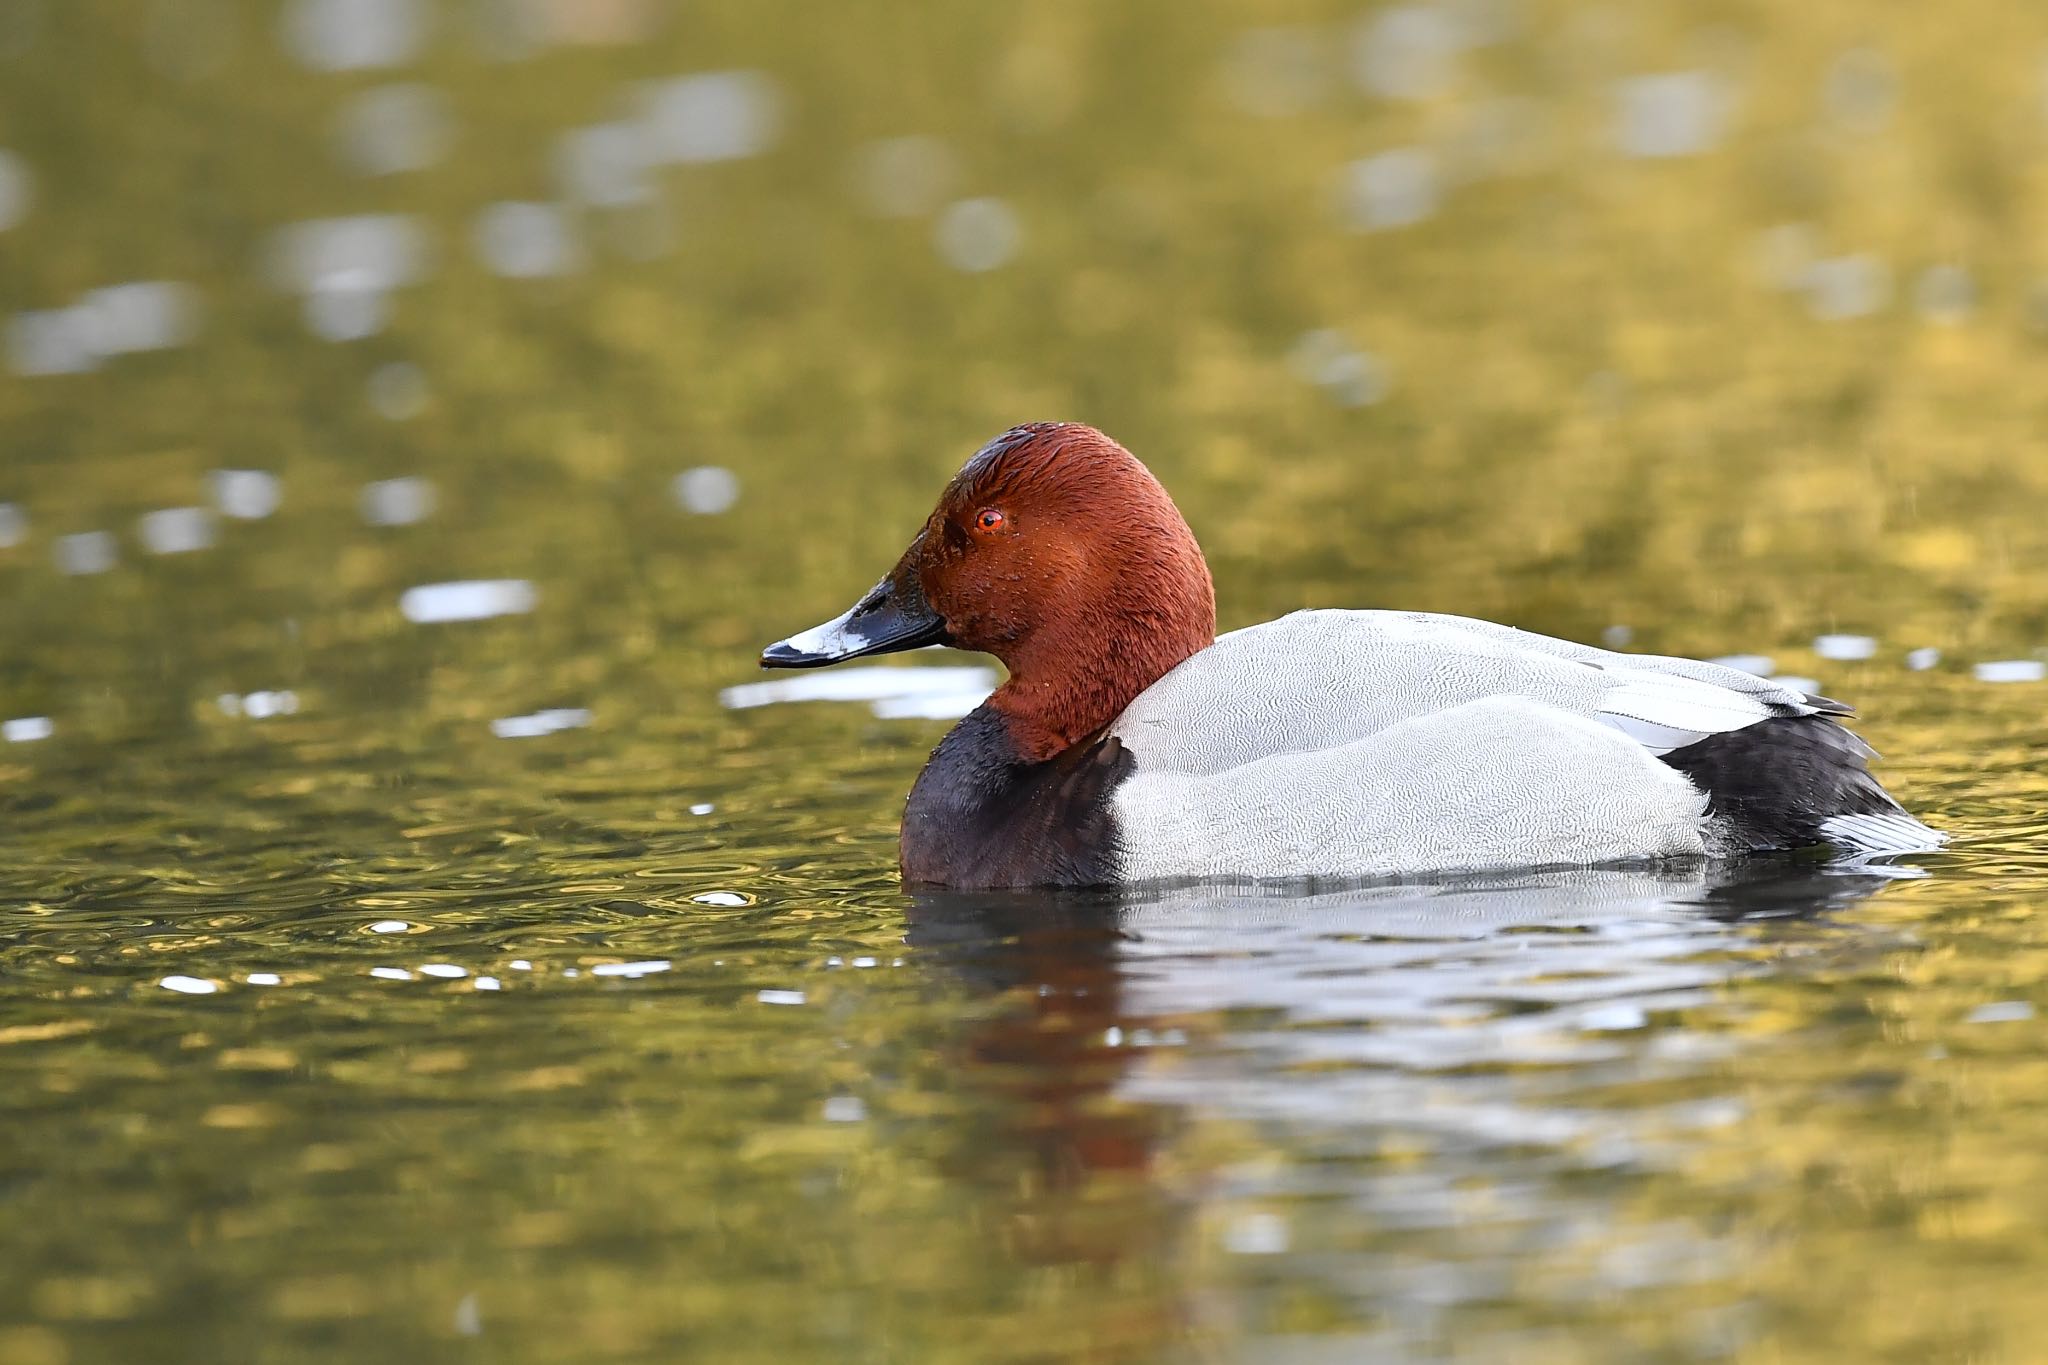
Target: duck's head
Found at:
x=1055, y=550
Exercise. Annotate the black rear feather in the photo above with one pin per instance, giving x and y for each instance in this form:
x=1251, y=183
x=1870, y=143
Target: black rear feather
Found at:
x=1775, y=783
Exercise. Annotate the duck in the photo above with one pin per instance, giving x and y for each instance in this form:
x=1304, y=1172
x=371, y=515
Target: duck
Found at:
x=1131, y=744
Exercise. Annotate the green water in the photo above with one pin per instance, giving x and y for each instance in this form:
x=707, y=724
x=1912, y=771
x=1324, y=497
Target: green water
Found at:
x=1783, y=383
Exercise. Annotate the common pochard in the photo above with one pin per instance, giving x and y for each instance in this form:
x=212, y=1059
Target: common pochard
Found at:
x=1131, y=744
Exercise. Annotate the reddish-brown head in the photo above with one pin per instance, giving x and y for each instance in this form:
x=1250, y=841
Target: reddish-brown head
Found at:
x=1056, y=551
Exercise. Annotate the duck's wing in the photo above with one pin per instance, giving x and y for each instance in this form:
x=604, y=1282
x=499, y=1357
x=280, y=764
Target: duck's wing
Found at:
x=1324, y=679
x=1482, y=717
x=1496, y=782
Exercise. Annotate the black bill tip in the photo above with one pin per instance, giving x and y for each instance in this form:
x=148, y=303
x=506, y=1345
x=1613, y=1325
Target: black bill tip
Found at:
x=785, y=654
x=889, y=619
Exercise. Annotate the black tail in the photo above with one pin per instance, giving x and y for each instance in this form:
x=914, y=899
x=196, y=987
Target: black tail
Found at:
x=1777, y=783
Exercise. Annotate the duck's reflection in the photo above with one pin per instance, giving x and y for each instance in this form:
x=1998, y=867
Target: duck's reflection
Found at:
x=1460, y=1022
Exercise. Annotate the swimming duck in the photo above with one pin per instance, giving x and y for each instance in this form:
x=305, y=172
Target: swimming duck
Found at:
x=1131, y=743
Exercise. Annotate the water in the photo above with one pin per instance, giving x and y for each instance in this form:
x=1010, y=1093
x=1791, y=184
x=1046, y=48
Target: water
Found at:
x=415, y=417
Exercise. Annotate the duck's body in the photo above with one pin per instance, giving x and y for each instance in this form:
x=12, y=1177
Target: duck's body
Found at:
x=1132, y=745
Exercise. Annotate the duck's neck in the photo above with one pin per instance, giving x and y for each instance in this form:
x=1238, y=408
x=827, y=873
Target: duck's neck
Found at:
x=1065, y=691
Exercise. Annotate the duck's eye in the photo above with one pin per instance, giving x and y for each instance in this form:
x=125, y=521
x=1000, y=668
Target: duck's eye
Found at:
x=989, y=520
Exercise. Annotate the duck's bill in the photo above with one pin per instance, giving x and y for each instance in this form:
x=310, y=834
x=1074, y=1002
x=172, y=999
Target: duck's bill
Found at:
x=889, y=619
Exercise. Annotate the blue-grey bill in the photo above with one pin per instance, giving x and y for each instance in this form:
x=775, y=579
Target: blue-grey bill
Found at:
x=888, y=619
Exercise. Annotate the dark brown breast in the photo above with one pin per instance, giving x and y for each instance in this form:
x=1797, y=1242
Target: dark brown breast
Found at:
x=979, y=817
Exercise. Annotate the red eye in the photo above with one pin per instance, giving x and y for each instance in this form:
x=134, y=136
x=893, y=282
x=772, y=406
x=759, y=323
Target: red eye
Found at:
x=990, y=520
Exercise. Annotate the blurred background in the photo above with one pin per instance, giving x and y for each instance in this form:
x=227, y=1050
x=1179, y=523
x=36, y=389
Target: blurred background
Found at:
x=414, y=414
x=1706, y=320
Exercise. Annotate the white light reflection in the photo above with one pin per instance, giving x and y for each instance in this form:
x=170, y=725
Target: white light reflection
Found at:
x=1922, y=659
x=13, y=525
x=540, y=723
x=87, y=552
x=264, y=979
x=263, y=705
x=1393, y=189
x=347, y=265
x=1406, y=52
x=525, y=241
x=1763, y=665
x=144, y=315
x=874, y=683
x=2011, y=671
x=1257, y=1234
x=120, y=319
x=713, y=116
x=978, y=235
x=391, y=973
x=446, y=971
x=706, y=490
x=368, y=252
x=1675, y=113
x=346, y=314
x=1840, y=288
x=772, y=997
x=348, y=35
x=397, y=502
x=1614, y=1019
x=189, y=985
x=49, y=341
x=1845, y=646
x=467, y=600
x=936, y=706
x=725, y=898
x=605, y=165
x=258, y=705
x=344, y=267
x=27, y=729
x=246, y=494
x=176, y=530
x=845, y=1109
x=630, y=969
